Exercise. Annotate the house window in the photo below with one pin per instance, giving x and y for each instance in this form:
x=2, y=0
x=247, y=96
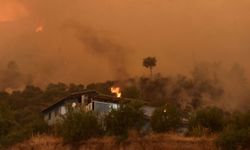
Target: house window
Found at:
x=63, y=110
x=115, y=106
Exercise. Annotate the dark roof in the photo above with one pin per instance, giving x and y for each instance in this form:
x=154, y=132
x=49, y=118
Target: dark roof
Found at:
x=95, y=96
x=107, y=98
x=65, y=99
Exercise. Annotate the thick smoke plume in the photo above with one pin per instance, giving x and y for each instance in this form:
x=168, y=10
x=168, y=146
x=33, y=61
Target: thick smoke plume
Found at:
x=105, y=48
x=226, y=87
x=178, y=33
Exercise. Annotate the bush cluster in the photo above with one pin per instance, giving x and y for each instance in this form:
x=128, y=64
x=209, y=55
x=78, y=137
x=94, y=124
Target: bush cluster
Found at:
x=127, y=117
x=19, y=121
x=12, y=131
x=78, y=125
x=207, y=120
x=165, y=119
x=234, y=130
x=237, y=133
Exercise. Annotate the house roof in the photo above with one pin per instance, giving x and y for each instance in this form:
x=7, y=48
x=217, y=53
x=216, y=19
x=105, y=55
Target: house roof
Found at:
x=94, y=96
x=65, y=99
x=108, y=98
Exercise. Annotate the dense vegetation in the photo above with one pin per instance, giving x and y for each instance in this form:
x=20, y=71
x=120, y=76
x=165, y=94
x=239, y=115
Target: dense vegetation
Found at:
x=209, y=120
x=20, y=111
x=127, y=117
x=78, y=125
x=236, y=134
x=165, y=119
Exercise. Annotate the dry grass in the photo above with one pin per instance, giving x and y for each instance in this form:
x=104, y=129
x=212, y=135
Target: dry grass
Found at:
x=39, y=142
x=134, y=142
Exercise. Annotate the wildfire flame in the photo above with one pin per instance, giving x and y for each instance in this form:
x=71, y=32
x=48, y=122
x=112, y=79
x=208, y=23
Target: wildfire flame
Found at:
x=39, y=29
x=117, y=91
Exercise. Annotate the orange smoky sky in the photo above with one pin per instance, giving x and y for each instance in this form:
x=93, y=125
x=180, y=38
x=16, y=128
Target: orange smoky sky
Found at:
x=93, y=40
x=11, y=11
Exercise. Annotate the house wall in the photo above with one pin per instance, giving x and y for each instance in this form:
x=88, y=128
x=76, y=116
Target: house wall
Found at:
x=53, y=116
x=89, y=107
x=50, y=117
x=104, y=107
x=56, y=114
x=148, y=111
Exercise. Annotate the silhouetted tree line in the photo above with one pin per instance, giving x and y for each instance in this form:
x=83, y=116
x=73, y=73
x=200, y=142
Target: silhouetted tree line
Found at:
x=20, y=111
x=26, y=105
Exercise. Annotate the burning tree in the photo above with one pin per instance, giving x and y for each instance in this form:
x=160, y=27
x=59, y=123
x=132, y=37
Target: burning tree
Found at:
x=149, y=62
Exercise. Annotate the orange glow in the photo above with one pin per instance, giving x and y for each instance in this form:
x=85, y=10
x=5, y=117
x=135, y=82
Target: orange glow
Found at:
x=117, y=91
x=39, y=29
x=11, y=11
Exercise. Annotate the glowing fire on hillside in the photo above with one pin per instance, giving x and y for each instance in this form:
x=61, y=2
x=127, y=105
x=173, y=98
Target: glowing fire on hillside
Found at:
x=117, y=91
x=39, y=29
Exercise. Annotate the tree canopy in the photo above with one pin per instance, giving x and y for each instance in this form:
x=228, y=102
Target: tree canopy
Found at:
x=150, y=62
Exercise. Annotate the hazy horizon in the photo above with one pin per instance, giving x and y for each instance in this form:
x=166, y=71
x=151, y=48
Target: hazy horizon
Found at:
x=91, y=41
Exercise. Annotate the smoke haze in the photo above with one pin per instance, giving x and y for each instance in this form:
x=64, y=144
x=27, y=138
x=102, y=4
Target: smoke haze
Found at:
x=103, y=47
x=90, y=41
x=11, y=77
x=231, y=80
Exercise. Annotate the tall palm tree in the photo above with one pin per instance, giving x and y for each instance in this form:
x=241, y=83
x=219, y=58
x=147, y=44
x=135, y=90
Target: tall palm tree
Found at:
x=150, y=62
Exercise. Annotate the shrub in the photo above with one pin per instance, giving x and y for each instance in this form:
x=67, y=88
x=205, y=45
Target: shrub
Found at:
x=131, y=92
x=128, y=116
x=165, y=119
x=240, y=120
x=237, y=134
x=7, y=123
x=7, y=120
x=78, y=125
x=210, y=118
x=199, y=131
x=15, y=136
x=232, y=139
x=38, y=126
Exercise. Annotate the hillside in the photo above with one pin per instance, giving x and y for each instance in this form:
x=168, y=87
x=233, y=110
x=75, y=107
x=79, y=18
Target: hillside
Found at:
x=134, y=142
